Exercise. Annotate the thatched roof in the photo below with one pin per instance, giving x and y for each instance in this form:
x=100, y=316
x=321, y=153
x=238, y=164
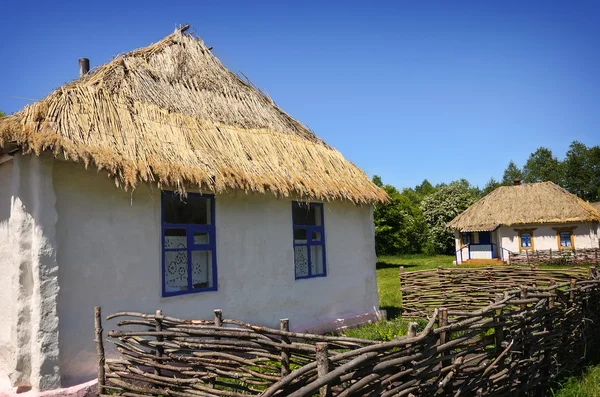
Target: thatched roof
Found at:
x=171, y=113
x=596, y=205
x=534, y=203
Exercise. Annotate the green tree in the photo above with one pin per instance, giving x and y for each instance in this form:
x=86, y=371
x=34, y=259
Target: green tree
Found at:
x=490, y=186
x=440, y=208
x=542, y=166
x=2, y=114
x=511, y=173
x=377, y=180
x=399, y=224
x=582, y=171
x=425, y=188
x=578, y=172
x=594, y=164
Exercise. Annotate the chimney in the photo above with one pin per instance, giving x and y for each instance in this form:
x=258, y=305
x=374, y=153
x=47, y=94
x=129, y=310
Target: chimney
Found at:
x=84, y=66
x=516, y=182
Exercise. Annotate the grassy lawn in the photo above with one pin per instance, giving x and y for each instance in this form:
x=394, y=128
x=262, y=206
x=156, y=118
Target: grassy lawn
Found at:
x=387, y=276
x=587, y=385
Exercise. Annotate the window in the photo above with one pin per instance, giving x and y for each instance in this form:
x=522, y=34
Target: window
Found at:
x=526, y=240
x=188, y=244
x=466, y=238
x=309, y=240
x=565, y=237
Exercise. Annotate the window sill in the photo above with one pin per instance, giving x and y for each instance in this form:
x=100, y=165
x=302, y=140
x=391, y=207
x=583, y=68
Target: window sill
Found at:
x=195, y=291
x=309, y=277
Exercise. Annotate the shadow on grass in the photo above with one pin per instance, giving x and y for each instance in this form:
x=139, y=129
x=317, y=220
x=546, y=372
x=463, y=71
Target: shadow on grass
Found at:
x=390, y=265
x=392, y=311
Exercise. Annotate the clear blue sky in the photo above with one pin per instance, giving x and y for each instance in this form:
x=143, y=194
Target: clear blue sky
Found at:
x=404, y=89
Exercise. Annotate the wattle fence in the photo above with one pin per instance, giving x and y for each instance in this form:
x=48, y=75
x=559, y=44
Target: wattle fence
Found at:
x=459, y=288
x=513, y=346
x=556, y=257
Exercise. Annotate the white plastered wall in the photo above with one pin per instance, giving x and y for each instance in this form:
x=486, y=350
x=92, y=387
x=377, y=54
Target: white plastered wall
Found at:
x=544, y=236
x=6, y=266
x=28, y=245
x=110, y=256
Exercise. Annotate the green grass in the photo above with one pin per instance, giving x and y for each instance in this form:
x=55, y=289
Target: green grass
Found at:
x=388, y=283
x=384, y=330
x=588, y=385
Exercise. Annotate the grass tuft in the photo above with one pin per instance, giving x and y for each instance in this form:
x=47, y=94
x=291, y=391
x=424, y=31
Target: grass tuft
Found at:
x=587, y=385
x=384, y=330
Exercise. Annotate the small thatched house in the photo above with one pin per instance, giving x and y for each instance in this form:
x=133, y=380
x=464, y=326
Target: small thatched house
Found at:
x=524, y=217
x=161, y=180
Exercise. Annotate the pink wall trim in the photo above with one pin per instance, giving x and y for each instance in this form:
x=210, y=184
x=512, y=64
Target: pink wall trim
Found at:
x=87, y=389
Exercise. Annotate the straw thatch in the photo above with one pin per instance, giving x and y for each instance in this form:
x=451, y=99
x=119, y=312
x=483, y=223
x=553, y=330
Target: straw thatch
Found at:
x=534, y=203
x=596, y=205
x=172, y=114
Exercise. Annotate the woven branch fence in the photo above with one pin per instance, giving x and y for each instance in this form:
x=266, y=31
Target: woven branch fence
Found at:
x=558, y=257
x=472, y=288
x=513, y=346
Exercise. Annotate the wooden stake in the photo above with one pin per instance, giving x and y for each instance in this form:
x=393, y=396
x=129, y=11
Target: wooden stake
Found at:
x=412, y=329
x=323, y=366
x=444, y=335
x=159, y=349
x=99, y=348
x=218, y=318
x=284, y=325
x=523, y=296
x=218, y=323
x=498, y=329
x=572, y=292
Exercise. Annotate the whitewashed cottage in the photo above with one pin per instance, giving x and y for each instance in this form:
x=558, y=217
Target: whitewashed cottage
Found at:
x=161, y=180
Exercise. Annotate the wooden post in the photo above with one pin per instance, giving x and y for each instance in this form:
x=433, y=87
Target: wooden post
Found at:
x=527, y=256
x=159, y=349
x=596, y=254
x=572, y=291
x=523, y=296
x=550, y=254
x=284, y=325
x=498, y=329
x=412, y=329
x=99, y=348
x=444, y=335
x=552, y=293
x=525, y=333
x=323, y=367
x=218, y=319
x=440, y=269
x=401, y=276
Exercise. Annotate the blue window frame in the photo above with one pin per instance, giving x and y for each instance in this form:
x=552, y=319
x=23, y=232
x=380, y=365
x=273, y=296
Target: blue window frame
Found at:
x=309, y=240
x=189, y=255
